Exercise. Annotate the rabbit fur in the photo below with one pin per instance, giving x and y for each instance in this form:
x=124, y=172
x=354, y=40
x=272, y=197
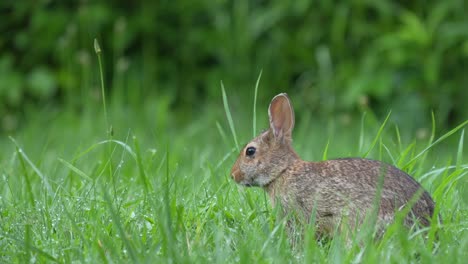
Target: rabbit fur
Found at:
x=331, y=189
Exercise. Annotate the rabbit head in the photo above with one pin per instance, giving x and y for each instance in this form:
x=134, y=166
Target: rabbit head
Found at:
x=264, y=158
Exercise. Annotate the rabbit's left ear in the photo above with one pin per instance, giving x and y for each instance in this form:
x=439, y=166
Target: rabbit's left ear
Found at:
x=281, y=117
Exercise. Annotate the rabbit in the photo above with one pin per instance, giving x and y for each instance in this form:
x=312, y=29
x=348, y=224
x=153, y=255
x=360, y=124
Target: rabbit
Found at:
x=330, y=189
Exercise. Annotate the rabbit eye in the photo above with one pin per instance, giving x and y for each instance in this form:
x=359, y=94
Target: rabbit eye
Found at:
x=250, y=151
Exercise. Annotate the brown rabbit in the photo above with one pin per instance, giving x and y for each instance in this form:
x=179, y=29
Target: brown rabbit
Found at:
x=333, y=188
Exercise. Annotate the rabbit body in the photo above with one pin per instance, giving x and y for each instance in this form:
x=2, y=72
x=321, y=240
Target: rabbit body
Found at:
x=331, y=189
x=348, y=188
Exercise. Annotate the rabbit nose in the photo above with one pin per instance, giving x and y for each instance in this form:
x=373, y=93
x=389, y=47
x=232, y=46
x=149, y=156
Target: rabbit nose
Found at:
x=236, y=173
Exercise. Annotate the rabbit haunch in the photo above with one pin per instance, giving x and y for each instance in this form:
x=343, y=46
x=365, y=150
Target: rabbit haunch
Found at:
x=333, y=188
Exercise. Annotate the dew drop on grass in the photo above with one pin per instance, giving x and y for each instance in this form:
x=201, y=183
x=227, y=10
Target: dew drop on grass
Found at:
x=149, y=226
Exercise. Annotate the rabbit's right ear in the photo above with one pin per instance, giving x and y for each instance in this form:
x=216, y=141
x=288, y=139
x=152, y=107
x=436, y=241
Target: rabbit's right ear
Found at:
x=281, y=117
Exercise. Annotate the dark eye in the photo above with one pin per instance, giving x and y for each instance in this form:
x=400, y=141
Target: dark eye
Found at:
x=250, y=151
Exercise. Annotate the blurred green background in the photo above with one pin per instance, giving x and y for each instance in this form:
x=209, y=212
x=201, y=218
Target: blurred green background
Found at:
x=333, y=58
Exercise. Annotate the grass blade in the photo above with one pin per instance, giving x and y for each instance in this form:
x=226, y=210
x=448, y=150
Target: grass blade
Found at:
x=442, y=138
x=229, y=116
x=141, y=169
x=254, y=125
x=460, y=149
x=221, y=132
x=31, y=164
x=398, y=138
x=118, y=142
x=75, y=169
x=361, y=135
x=118, y=223
x=325, y=151
x=98, y=51
x=377, y=137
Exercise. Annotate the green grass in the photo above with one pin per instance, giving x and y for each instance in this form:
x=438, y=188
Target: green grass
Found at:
x=158, y=191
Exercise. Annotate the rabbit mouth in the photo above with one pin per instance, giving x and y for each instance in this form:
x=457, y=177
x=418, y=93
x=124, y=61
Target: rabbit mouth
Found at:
x=247, y=183
x=254, y=183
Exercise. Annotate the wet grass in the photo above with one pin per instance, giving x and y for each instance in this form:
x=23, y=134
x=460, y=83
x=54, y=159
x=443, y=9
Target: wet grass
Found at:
x=158, y=191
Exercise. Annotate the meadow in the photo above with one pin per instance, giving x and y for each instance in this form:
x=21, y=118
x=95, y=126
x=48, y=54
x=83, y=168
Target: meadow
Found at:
x=123, y=155
x=121, y=184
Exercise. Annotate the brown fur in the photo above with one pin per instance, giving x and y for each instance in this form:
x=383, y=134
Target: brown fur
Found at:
x=333, y=188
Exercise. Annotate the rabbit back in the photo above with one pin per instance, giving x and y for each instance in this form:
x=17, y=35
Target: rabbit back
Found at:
x=348, y=187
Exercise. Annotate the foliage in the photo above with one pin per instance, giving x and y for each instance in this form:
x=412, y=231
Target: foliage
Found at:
x=337, y=57
x=152, y=192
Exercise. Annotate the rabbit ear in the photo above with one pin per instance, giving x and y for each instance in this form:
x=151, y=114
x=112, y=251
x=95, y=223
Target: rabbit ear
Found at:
x=281, y=117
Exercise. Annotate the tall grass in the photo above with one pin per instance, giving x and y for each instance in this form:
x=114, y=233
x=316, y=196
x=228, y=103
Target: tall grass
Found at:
x=169, y=198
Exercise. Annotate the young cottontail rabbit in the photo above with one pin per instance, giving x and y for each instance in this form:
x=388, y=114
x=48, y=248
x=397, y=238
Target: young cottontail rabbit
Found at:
x=331, y=189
